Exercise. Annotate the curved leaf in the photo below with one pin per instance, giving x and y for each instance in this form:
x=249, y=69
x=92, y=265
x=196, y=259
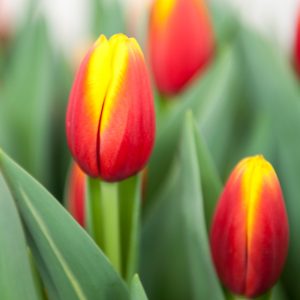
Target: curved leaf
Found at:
x=71, y=264
x=16, y=278
x=137, y=291
x=176, y=262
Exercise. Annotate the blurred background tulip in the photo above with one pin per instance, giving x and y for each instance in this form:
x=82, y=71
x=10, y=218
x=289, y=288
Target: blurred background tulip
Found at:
x=297, y=46
x=76, y=193
x=249, y=235
x=181, y=42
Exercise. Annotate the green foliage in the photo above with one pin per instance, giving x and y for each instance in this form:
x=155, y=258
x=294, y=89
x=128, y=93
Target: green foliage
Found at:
x=213, y=104
x=176, y=261
x=26, y=104
x=70, y=263
x=13, y=255
x=108, y=17
x=136, y=290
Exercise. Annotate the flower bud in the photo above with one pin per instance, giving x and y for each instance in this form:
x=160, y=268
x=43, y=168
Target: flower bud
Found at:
x=110, y=119
x=76, y=188
x=181, y=42
x=249, y=235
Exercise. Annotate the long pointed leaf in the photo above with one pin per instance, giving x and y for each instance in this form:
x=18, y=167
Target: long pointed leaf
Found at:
x=136, y=290
x=16, y=278
x=176, y=262
x=75, y=265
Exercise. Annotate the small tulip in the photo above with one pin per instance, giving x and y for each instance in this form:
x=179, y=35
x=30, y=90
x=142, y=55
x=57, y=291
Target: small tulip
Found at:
x=181, y=42
x=249, y=235
x=110, y=119
x=76, y=194
x=297, y=47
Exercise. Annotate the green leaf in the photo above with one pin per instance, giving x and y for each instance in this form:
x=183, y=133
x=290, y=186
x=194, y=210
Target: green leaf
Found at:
x=176, y=261
x=213, y=101
x=278, y=292
x=16, y=278
x=71, y=265
x=26, y=106
x=225, y=22
x=258, y=139
x=136, y=290
x=273, y=87
x=210, y=181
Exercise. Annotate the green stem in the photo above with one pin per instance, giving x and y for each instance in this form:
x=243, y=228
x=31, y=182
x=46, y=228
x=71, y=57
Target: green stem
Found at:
x=110, y=222
x=93, y=210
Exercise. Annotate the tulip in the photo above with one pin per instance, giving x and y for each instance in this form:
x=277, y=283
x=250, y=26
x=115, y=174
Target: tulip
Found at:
x=249, y=235
x=297, y=47
x=181, y=42
x=76, y=189
x=110, y=119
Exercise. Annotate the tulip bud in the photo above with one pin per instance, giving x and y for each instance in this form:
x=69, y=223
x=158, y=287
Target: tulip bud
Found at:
x=110, y=119
x=76, y=194
x=249, y=235
x=297, y=47
x=181, y=42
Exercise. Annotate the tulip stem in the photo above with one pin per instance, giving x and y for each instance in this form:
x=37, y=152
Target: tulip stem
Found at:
x=111, y=226
x=93, y=210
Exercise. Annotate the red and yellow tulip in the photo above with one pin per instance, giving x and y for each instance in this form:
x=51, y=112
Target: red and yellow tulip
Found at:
x=249, y=235
x=110, y=119
x=181, y=42
x=75, y=197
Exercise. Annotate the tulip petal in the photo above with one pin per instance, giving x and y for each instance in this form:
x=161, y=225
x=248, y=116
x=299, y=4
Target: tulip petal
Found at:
x=267, y=236
x=76, y=194
x=228, y=238
x=85, y=105
x=162, y=11
x=127, y=121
